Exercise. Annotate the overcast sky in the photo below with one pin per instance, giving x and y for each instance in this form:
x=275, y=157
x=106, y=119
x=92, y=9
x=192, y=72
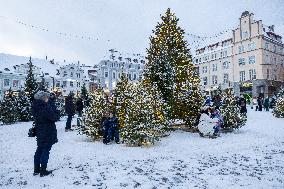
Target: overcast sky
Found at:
x=122, y=24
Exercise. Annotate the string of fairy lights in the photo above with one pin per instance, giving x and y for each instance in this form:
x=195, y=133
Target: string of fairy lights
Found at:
x=195, y=40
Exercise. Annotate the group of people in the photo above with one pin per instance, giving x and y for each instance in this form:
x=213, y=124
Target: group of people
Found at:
x=261, y=103
x=210, y=122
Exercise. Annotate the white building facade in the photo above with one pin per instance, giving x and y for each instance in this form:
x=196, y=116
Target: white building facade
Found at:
x=109, y=71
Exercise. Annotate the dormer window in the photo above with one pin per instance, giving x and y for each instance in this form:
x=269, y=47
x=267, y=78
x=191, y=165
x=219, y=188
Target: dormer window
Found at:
x=64, y=74
x=7, y=69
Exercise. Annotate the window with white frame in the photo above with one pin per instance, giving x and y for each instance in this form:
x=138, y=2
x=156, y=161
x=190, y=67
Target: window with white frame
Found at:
x=113, y=75
x=241, y=61
x=71, y=74
x=78, y=75
x=251, y=46
x=15, y=83
x=78, y=84
x=134, y=76
x=245, y=35
x=64, y=83
x=266, y=45
x=204, y=69
x=6, y=82
x=267, y=74
x=106, y=74
x=205, y=81
x=129, y=76
x=58, y=84
x=251, y=59
x=242, y=75
x=241, y=49
x=214, y=79
x=226, y=78
x=275, y=60
x=214, y=68
x=226, y=65
x=64, y=73
x=71, y=84
x=252, y=74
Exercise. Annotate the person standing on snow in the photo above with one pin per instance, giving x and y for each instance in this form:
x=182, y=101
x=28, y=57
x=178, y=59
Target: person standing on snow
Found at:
x=111, y=129
x=70, y=111
x=243, y=105
x=79, y=106
x=266, y=104
x=45, y=117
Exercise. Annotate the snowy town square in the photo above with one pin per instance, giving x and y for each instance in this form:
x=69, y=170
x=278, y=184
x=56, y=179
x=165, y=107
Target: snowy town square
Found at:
x=146, y=94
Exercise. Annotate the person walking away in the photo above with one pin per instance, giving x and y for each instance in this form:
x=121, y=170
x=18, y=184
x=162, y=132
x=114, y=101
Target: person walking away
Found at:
x=70, y=111
x=44, y=117
x=266, y=104
x=79, y=106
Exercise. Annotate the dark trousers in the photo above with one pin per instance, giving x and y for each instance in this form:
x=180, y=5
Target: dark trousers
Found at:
x=113, y=134
x=259, y=108
x=110, y=134
x=41, y=156
x=68, y=122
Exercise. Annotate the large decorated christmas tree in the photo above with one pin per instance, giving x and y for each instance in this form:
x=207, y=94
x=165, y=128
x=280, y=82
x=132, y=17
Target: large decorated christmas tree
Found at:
x=145, y=120
x=31, y=84
x=93, y=115
x=170, y=67
x=278, y=111
x=8, y=108
x=230, y=111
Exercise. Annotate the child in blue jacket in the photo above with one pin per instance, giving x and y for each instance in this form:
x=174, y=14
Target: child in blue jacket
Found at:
x=110, y=126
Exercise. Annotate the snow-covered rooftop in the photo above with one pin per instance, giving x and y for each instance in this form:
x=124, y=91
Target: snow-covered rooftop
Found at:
x=9, y=62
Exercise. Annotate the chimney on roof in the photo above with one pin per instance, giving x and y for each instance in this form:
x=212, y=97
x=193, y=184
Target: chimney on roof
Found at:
x=45, y=57
x=64, y=60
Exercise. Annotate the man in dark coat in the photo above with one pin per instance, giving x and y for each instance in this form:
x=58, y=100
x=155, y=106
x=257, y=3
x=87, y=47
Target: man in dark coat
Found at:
x=70, y=111
x=79, y=106
x=45, y=117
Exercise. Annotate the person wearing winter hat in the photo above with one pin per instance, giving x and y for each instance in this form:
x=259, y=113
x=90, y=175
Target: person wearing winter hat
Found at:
x=44, y=118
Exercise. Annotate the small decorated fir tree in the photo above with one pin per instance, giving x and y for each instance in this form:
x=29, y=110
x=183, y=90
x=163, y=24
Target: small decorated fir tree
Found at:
x=24, y=107
x=230, y=111
x=145, y=119
x=8, y=108
x=31, y=84
x=93, y=115
x=278, y=111
x=121, y=98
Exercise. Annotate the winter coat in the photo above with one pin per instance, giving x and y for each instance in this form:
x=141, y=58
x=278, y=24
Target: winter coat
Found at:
x=69, y=106
x=51, y=102
x=206, y=124
x=45, y=118
x=111, y=122
x=266, y=103
x=79, y=105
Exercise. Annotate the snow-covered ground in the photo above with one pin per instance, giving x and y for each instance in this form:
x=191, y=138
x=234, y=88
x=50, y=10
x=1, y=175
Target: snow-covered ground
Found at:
x=252, y=157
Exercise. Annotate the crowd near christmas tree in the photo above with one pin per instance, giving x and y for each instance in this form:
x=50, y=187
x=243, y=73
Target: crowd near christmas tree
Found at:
x=135, y=114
